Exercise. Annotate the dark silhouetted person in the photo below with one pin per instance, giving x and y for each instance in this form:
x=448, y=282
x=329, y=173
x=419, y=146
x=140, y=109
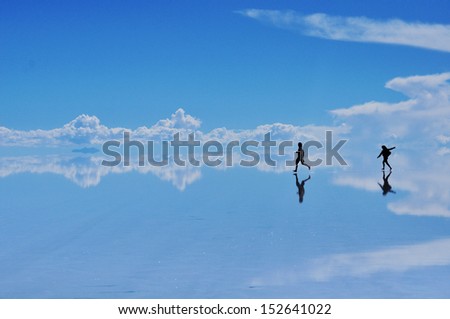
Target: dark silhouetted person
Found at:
x=301, y=187
x=385, y=152
x=386, y=187
x=300, y=157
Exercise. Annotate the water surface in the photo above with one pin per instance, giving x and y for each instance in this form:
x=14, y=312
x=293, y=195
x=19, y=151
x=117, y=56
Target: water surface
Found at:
x=70, y=231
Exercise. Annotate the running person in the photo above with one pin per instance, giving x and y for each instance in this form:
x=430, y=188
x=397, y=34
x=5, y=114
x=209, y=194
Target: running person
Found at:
x=300, y=157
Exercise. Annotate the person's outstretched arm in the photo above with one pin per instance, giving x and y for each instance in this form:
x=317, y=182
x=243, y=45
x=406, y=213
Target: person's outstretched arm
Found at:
x=392, y=148
x=380, y=154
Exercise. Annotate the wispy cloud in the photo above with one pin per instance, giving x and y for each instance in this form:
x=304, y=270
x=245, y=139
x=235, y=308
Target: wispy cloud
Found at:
x=374, y=107
x=358, y=29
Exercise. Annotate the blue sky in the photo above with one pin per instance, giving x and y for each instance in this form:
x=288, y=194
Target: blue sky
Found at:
x=133, y=64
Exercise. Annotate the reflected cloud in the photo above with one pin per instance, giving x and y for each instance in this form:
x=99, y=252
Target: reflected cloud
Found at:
x=88, y=171
x=424, y=193
x=419, y=209
x=367, y=183
x=86, y=150
x=83, y=171
x=364, y=264
x=397, y=259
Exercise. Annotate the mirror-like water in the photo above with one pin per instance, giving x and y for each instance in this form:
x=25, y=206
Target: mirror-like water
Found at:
x=68, y=229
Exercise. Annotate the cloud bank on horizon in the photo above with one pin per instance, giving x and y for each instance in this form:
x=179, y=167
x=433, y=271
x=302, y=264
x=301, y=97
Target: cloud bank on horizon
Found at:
x=357, y=29
x=87, y=130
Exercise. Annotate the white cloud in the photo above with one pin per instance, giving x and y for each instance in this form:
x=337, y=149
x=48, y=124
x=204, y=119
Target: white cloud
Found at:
x=374, y=107
x=84, y=129
x=418, y=85
x=420, y=131
x=426, y=112
x=358, y=29
x=180, y=120
x=443, y=139
x=88, y=130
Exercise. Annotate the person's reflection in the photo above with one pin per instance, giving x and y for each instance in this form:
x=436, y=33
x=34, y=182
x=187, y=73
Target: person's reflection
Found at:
x=386, y=187
x=301, y=187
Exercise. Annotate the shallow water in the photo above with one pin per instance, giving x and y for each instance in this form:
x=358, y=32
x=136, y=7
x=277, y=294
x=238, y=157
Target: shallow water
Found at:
x=69, y=231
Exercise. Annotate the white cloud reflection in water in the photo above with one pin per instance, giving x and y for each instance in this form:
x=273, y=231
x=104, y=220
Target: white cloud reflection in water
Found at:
x=87, y=171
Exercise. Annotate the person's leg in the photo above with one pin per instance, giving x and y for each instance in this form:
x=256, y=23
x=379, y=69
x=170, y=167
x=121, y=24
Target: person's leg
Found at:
x=388, y=165
x=384, y=161
x=296, y=164
x=303, y=163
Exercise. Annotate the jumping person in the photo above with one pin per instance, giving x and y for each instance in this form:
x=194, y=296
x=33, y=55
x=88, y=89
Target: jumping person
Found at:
x=385, y=152
x=300, y=157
